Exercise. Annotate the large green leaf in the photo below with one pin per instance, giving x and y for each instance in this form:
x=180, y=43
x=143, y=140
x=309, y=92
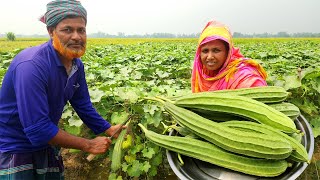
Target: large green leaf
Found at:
x=75, y=121
x=315, y=126
x=75, y=130
x=96, y=95
x=292, y=82
x=310, y=73
x=119, y=117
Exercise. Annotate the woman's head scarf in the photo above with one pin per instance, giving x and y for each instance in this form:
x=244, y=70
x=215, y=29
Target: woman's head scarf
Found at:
x=58, y=10
x=236, y=72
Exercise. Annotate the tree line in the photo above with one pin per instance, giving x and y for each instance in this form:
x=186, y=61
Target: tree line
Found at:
x=12, y=36
x=196, y=35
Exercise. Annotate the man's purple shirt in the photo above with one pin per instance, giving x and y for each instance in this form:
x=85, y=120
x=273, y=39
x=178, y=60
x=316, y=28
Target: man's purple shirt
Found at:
x=34, y=92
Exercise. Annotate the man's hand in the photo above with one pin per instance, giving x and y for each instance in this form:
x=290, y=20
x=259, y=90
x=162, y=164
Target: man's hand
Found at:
x=114, y=129
x=98, y=145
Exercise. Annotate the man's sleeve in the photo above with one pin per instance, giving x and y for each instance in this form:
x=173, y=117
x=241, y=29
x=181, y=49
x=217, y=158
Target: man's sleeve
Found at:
x=30, y=88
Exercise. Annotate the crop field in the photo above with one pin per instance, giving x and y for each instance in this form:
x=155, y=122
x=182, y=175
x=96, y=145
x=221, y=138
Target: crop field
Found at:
x=121, y=72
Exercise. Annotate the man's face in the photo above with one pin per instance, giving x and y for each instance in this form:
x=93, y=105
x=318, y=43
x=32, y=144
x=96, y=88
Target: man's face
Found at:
x=69, y=37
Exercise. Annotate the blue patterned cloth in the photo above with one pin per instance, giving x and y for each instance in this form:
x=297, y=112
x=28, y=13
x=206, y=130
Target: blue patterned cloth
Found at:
x=44, y=164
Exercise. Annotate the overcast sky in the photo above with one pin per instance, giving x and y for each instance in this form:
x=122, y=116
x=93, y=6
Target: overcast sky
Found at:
x=171, y=16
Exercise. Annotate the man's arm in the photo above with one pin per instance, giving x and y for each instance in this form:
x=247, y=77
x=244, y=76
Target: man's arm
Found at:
x=97, y=145
x=81, y=103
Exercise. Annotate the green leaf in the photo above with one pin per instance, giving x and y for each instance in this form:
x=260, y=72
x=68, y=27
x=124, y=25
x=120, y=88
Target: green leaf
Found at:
x=316, y=132
x=148, y=152
x=96, y=95
x=154, y=119
x=75, y=121
x=316, y=84
x=137, y=148
x=157, y=159
x=146, y=166
x=136, y=169
x=315, y=126
x=150, y=108
x=67, y=113
x=113, y=176
x=153, y=171
x=292, y=82
x=130, y=95
x=162, y=74
x=157, y=118
x=119, y=117
x=125, y=71
x=75, y=130
x=137, y=75
x=125, y=167
x=310, y=73
x=90, y=77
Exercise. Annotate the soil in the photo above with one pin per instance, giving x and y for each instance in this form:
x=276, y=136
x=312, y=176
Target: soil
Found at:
x=77, y=167
x=312, y=172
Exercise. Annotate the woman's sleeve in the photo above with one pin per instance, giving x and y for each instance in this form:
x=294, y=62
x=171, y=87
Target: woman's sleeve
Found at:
x=248, y=78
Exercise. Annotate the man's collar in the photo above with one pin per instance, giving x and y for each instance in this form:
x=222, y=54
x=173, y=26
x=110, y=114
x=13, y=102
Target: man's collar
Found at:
x=55, y=54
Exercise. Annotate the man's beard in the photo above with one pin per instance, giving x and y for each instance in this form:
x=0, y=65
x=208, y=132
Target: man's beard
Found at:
x=66, y=52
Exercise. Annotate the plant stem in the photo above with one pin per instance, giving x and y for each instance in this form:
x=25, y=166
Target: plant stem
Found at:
x=154, y=99
x=165, y=99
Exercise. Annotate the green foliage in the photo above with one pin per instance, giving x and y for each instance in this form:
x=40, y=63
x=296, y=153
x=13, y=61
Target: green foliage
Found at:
x=119, y=76
x=11, y=36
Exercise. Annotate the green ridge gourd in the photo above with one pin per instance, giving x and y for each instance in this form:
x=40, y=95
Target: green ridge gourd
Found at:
x=210, y=153
x=289, y=109
x=299, y=153
x=238, y=105
x=117, y=151
x=265, y=94
x=249, y=144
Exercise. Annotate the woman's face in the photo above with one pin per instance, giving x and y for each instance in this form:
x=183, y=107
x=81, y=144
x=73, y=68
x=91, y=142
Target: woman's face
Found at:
x=213, y=54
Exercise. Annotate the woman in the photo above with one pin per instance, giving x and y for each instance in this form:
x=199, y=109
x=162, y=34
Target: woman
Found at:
x=218, y=65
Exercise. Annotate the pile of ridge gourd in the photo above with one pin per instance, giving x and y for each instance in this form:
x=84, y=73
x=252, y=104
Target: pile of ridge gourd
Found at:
x=249, y=130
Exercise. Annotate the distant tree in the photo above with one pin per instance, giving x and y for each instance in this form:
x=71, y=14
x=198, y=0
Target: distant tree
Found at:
x=121, y=34
x=237, y=35
x=11, y=36
x=283, y=34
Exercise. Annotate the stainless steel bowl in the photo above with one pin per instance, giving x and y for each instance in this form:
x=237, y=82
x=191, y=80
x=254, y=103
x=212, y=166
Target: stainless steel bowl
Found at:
x=194, y=169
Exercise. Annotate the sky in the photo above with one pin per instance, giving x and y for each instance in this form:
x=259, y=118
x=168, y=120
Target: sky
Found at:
x=171, y=16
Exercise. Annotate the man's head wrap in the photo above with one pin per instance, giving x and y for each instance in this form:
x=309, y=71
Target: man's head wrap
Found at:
x=57, y=10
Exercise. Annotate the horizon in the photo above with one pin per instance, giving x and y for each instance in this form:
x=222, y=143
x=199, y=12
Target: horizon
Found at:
x=174, y=17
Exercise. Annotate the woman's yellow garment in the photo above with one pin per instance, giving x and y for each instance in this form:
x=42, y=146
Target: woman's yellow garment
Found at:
x=236, y=72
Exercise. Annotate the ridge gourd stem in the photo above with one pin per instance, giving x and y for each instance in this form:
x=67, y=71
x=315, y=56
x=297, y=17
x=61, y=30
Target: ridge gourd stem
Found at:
x=154, y=99
x=165, y=99
x=180, y=159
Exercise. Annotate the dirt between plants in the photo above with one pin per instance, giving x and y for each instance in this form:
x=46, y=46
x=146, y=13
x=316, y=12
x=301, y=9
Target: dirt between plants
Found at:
x=77, y=167
x=312, y=171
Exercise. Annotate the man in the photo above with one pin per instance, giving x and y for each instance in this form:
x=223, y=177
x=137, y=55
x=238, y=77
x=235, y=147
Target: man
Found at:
x=36, y=87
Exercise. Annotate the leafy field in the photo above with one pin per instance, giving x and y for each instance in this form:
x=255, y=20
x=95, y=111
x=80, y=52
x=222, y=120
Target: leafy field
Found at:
x=120, y=72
